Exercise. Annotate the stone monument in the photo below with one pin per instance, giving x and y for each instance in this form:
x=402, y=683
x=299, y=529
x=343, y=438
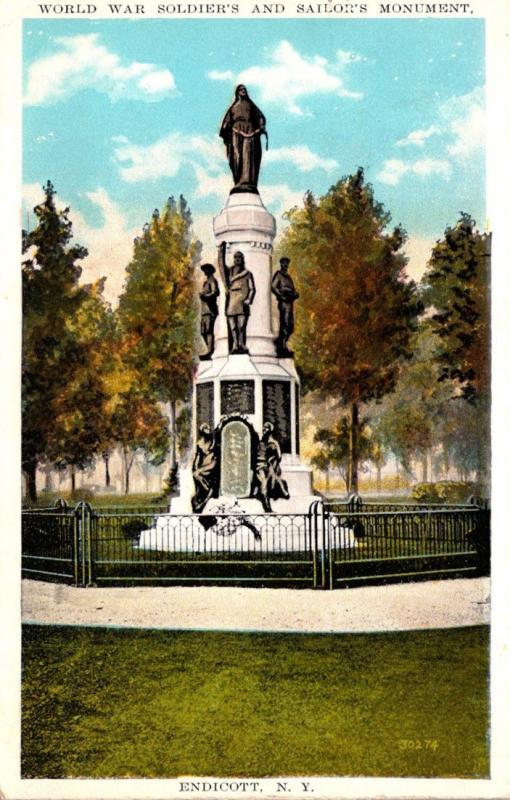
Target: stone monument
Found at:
x=246, y=390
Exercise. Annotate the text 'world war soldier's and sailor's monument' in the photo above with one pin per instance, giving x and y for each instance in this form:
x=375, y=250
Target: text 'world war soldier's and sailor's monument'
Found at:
x=246, y=391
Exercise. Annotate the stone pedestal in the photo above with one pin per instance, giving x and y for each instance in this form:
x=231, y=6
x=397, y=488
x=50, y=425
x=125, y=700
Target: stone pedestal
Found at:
x=258, y=386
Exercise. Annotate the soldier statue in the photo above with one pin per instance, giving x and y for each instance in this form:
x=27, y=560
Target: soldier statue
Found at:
x=241, y=129
x=208, y=309
x=282, y=287
x=240, y=291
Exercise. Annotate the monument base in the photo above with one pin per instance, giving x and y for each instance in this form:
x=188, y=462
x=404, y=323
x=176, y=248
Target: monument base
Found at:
x=299, y=482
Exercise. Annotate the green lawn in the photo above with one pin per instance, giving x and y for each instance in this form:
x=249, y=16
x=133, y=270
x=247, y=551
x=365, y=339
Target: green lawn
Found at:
x=104, y=703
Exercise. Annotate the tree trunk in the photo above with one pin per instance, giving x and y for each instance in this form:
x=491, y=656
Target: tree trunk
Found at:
x=48, y=479
x=378, y=484
x=73, y=479
x=173, y=433
x=128, y=463
x=352, y=483
x=425, y=468
x=30, y=472
x=326, y=473
x=106, y=459
x=446, y=462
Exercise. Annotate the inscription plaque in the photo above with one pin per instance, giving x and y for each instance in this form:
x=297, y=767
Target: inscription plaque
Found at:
x=205, y=404
x=276, y=409
x=237, y=397
x=235, y=460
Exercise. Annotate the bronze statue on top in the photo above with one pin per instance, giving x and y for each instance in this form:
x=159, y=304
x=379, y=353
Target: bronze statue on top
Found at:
x=241, y=129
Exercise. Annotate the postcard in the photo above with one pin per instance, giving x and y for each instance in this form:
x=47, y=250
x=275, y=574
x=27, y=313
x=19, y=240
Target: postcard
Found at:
x=261, y=443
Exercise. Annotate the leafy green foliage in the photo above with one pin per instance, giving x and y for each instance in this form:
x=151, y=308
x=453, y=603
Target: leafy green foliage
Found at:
x=334, y=446
x=457, y=288
x=56, y=361
x=445, y=492
x=356, y=310
x=407, y=420
x=157, y=310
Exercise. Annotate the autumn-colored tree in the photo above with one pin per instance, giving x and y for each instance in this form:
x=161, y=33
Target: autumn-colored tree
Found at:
x=139, y=426
x=357, y=310
x=81, y=424
x=157, y=310
x=52, y=298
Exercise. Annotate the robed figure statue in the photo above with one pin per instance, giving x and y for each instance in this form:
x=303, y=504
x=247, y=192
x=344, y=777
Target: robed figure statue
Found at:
x=269, y=483
x=241, y=129
x=204, y=469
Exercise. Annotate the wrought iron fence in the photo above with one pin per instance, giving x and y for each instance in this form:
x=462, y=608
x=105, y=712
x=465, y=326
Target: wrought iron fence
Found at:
x=263, y=549
x=333, y=545
x=379, y=546
x=50, y=544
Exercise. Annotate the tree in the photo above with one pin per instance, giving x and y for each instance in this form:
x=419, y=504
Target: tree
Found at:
x=334, y=449
x=81, y=424
x=157, y=310
x=457, y=290
x=139, y=426
x=51, y=298
x=456, y=284
x=407, y=421
x=357, y=309
x=463, y=436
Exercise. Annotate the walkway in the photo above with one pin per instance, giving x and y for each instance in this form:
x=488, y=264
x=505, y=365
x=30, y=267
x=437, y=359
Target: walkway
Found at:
x=429, y=604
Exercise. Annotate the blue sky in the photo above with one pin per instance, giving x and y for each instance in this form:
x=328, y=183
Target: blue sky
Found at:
x=120, y=114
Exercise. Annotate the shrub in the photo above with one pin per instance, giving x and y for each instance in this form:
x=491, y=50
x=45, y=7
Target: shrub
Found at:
x=446, y=491
x=79, y=495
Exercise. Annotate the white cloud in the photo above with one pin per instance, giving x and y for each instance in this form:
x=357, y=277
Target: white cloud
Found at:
x=461, y=132
x=165, y=157
x=302, y=157
x=216, y=183
x=394, y=169
x=419, y=137
x=289, y=77
x=82, y=63
x=217, y=75
x=110, y=246
x=280, y=198
x=465, y=116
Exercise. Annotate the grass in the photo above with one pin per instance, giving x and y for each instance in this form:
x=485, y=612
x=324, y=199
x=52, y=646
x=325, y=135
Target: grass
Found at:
x=101, y=703
x=45, y=499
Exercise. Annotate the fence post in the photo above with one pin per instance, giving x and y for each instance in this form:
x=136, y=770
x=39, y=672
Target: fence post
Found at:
x=82, y=514
x=482, y=537
x=316, y=516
